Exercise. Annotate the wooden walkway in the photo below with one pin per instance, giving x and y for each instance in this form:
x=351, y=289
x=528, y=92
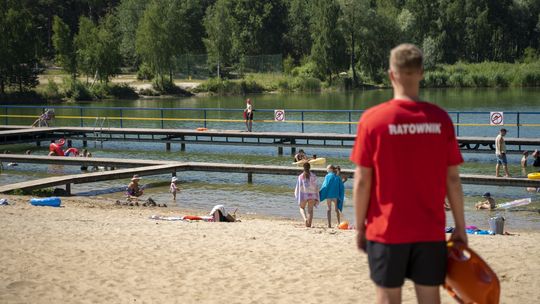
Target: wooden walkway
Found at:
x=150, y=167
x=292, y=140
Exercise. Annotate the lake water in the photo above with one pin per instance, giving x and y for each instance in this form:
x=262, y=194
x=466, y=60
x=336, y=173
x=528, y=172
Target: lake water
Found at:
x=273, y=195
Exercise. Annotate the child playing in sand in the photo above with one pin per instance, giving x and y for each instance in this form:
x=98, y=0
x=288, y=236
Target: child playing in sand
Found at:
x=173, y=189
x=134, y=189
x=220, y=214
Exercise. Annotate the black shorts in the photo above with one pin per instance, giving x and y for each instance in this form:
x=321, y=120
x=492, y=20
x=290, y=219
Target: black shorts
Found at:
x=424, y=263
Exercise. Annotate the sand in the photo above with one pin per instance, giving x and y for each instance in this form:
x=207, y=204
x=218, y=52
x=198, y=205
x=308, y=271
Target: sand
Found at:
x=90, y=251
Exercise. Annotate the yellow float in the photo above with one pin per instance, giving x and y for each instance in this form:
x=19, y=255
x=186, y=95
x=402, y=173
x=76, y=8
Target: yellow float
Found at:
x=534, y=175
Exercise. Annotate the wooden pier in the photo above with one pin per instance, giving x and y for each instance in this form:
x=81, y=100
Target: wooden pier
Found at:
x=183, y=137
x=151, y=167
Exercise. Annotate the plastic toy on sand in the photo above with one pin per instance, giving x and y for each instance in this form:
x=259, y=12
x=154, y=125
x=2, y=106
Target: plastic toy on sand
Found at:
x=344, y=225
x=49, y=202
x=469, y=279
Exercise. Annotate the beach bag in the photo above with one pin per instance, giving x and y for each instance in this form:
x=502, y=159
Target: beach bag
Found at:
x=469, y=279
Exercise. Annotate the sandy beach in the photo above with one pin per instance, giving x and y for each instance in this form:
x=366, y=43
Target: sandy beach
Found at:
x=90, y=251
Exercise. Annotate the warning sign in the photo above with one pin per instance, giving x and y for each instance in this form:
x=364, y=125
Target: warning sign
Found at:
x=496, y=118
x=279, y=115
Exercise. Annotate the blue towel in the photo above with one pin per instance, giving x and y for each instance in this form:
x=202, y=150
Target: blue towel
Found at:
x=333, y=187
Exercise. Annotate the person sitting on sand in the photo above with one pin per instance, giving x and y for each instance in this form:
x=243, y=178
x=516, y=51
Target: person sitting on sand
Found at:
x=134, y=189
x=489, y=203
x=307, y=193
x=220, y=214
x=173, y=188
x=300, y=156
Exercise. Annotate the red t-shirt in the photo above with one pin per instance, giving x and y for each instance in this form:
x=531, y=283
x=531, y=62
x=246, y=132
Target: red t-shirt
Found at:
x=410, y=146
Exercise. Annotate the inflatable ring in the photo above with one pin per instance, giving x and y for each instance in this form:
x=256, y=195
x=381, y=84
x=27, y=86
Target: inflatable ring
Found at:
x=61, y=142
x=534, y=175
x=202, y=129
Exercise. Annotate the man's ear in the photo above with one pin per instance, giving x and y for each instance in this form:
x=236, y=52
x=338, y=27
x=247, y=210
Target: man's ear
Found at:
x=391, y=75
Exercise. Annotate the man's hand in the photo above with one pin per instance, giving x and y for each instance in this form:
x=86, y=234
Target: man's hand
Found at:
x=459, y=235
x=361, y=241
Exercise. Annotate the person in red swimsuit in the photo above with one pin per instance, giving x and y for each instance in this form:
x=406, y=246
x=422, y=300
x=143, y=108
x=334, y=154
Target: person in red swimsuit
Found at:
x=407, y=160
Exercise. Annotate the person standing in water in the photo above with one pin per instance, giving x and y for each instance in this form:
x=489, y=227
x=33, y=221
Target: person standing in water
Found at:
x=307, y=193
x=500, y=152
x=173, y=188
x=248, y=115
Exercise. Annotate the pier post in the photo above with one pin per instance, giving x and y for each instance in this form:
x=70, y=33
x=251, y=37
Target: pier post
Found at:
x=38, y=143
x=293, y=149
x=250, y=178
x=182, y=147
x=69, y=143
x=168, y=146
x=68, y=189
x=84, y=143
x=280, y=150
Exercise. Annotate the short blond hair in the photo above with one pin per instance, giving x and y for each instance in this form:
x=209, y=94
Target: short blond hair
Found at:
x=406, y=56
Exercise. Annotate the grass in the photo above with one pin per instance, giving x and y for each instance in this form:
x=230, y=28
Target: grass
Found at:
x=485, y=74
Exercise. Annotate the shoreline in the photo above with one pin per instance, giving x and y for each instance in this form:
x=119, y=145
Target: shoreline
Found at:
x=91, y=251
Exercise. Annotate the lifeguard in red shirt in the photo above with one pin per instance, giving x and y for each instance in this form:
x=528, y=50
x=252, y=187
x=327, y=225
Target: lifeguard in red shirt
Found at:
x=407, y=161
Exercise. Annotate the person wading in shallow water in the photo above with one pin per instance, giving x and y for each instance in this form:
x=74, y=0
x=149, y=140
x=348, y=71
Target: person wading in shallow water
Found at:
x=248, y=115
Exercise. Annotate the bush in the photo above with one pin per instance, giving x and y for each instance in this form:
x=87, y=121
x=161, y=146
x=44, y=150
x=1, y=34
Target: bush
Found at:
x=498, y=80
x=145, y=72
x=122, y=91
x=288, y=65
x=306, y=70
x=165, y=86
x=76, y=90
x=52, y=91
x=436, y=79
x=307, y=84
x=228, y=87
x=479, y=81
x=528, y=79
x=456, y=80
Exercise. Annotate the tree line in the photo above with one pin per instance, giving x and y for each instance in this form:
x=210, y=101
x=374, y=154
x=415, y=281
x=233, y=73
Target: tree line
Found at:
x=323, y=37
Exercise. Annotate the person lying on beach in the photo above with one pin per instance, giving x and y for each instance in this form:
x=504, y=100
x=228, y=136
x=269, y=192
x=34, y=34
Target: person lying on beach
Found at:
x=300, y=156
x=220, y=214
x=489, y=203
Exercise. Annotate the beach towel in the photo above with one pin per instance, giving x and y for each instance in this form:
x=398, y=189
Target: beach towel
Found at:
x=306, y=188
x=333, y=187
x=184, y=218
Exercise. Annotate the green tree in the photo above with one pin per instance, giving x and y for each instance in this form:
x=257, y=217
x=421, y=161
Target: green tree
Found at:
x=258, y=28
x=62, y=40
x=298, y=36
x=354, y=14
x=328, y=50
x=98, y=50
x=19, y=48
x=219, y=24
x=129, y=14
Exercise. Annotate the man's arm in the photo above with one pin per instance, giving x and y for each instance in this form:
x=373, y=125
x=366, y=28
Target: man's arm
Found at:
x=361, y=194
x=498, y=143
x=455, y=199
